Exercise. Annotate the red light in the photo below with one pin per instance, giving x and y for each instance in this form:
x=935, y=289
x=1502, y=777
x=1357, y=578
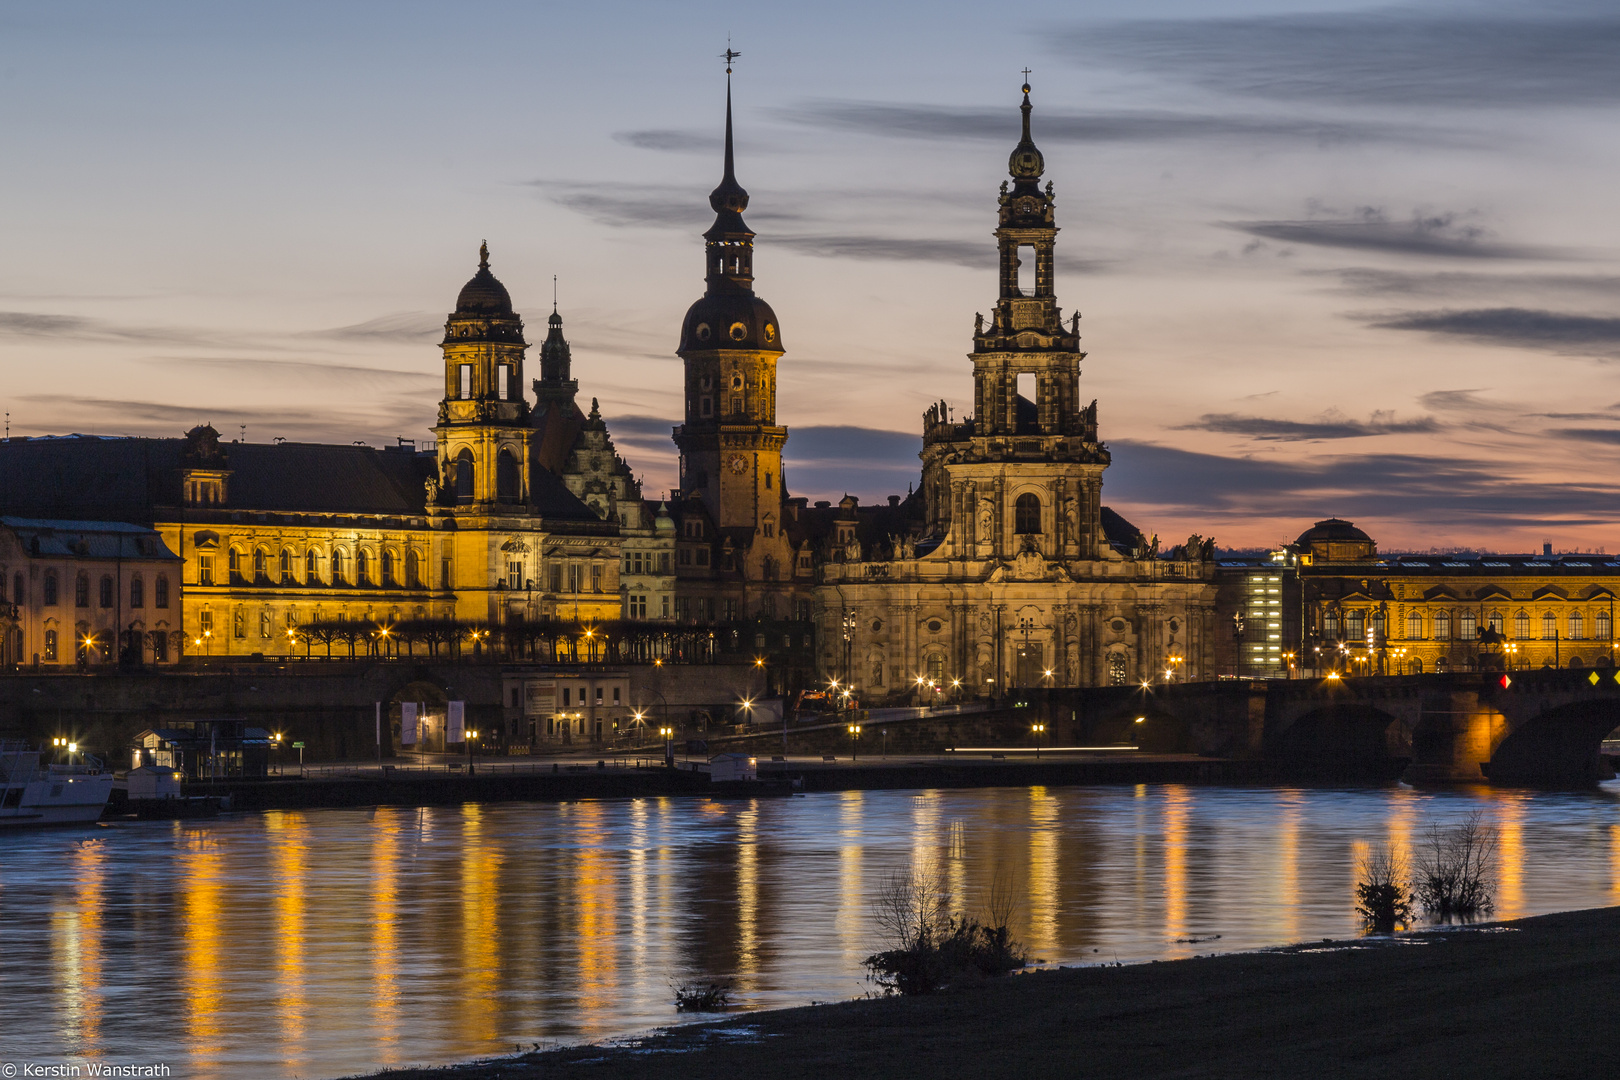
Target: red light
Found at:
x=1506, y=682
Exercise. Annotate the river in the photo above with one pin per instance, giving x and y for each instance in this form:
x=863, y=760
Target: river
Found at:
x=330, y=942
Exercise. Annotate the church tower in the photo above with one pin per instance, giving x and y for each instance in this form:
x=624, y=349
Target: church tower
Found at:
x=483, y=429
x=730, y=442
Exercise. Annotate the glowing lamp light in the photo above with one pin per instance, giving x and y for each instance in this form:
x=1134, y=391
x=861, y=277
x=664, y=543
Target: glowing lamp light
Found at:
x=1141, y=719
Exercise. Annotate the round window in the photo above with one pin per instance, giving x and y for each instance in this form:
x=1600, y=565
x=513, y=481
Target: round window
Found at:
x=703, y=331
x=933, y=626
x=738, y=331
x=736, y=382
x=877, y=624
x=770, y=332
x=1118, y=625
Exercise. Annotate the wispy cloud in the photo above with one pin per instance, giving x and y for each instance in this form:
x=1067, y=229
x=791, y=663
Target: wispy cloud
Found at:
x=1401, y=55
x=35, y=324
x=1528, y=328
x=1056, y=127
x=668, y=139
x=413, y=327
x=957, y=252
x=1331, y=425
x=1372, y=281
x=294, y=371
x=1369, y=228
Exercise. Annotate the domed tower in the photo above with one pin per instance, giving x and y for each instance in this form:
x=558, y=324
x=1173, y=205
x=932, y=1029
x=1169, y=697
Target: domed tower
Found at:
x=483, y=419
x=730, y=443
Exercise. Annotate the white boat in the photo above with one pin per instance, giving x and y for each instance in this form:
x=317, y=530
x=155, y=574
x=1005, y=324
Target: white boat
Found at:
x=53, y=794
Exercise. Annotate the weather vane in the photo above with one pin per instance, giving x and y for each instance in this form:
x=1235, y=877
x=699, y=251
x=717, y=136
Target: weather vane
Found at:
x=730, y=54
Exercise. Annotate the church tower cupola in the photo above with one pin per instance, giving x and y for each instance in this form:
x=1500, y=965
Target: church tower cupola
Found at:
x=556, y=381
x=731, y=444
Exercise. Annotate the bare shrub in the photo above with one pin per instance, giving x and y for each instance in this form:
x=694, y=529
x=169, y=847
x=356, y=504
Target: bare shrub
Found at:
x=930, y=947
x=1383, y=896
x=699, y=995
x=1456, y=869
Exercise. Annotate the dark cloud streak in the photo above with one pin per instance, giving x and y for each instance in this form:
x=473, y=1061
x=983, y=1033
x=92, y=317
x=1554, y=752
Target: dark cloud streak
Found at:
x=1554, y=331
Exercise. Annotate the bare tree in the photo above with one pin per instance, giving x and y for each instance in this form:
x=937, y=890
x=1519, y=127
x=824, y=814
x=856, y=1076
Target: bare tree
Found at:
x=1456, y=869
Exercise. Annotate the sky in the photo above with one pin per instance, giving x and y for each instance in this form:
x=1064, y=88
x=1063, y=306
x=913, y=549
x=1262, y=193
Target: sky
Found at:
x=1331, y=259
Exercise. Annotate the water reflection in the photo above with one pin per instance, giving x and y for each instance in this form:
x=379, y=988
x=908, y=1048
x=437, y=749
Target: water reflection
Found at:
x=318, y=944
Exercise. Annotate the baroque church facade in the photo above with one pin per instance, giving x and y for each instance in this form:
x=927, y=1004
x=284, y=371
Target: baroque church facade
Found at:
x=1011, y=572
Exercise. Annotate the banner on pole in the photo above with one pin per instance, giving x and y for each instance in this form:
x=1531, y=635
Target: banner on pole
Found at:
x=456, y=722
x=407, y=724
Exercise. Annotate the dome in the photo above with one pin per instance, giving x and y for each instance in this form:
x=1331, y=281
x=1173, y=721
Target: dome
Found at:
x=484, y=295
x=1333, y=529
x=730, y=320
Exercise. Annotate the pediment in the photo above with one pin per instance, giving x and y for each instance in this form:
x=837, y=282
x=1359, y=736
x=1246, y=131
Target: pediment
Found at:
x=1549, y=592
x=205, y=541
x=1440, y=592
x=1490, y=591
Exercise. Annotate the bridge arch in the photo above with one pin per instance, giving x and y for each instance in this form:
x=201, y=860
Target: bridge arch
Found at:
x=1561, y=745
x=1350, y=738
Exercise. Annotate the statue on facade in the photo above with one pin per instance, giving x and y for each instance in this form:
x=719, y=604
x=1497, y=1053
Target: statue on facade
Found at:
x=852, y=550
x=432, y=486
x=978, y=324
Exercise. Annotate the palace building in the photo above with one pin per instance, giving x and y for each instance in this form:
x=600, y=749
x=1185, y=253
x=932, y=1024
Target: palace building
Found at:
x=518, y=513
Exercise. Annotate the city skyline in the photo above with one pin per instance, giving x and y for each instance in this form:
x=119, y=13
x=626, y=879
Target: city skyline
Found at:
x=1352, y=261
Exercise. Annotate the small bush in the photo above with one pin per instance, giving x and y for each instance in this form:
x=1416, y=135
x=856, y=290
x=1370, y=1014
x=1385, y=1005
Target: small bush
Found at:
x=701, y=996
x=1383, y=897
x=1456, y=869
x=931, y=947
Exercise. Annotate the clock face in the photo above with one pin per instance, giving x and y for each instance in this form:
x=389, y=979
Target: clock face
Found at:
x=738, y=464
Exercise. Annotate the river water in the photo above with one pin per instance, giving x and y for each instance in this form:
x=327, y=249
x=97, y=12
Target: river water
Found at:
x=329, y=942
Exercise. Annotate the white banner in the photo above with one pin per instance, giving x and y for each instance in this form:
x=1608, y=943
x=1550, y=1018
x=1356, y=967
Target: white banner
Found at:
x=407, y=724
x=456, y=723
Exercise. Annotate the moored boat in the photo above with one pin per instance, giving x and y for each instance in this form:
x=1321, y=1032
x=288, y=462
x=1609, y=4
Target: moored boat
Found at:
x=50, y=794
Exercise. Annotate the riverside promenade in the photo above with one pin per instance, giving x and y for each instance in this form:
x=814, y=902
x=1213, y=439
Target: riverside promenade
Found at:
x=1531, y=998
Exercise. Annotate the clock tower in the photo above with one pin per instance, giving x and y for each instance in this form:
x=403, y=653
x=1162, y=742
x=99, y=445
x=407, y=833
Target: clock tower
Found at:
x=730, y=443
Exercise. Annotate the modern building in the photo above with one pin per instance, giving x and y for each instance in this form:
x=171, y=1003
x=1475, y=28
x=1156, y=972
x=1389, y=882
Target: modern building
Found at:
x=1342, y=607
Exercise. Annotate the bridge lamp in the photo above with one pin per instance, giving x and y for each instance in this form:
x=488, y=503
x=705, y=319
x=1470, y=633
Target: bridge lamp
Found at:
x=1141, y=719
x=1333, y=675
x=759, y=661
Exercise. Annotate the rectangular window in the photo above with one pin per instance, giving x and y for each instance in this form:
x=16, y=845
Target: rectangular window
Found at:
x=556, y=578
x=685, y=557
x=160, y=647
x=638, y=607
x=137, y=592
x=707, y=406
x=444, y=573
x=702, y=555
x=50, y=645
x=205, y=621
x=663, y=562
x=730, y=610
x=575, y=576
x=615, y=695
x=160, y=591
x=565, y=697
x=599, y=697
x=464, y=390
x=503, y=376
x=596, y=578
x=665, y=606
x=514, y=575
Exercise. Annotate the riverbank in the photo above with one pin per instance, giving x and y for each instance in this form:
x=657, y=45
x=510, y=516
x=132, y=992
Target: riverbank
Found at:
x=351, y=785
x=1531, y=998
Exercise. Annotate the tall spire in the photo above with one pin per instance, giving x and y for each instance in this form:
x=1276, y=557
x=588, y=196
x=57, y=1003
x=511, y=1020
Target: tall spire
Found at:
x=729, y=251
x=1026, y=163
x=729, y=196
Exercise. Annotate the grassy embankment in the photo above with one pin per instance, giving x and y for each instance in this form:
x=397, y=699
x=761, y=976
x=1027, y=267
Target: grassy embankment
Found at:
x=1532, y=998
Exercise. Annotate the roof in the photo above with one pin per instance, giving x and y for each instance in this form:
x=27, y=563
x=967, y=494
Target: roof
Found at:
x=84, y=477
x=1332, y=529
x=49, y=538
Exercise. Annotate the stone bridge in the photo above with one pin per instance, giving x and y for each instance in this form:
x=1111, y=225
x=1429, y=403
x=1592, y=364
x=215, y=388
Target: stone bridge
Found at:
x=1541, y=727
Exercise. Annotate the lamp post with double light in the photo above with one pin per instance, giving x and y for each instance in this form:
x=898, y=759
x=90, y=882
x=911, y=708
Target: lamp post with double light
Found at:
x=1038, y=729
x=668, y=735
x=854, y=736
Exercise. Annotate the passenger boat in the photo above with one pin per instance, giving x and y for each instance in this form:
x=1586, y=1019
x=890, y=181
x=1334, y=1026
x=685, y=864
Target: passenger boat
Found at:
x=51, y=794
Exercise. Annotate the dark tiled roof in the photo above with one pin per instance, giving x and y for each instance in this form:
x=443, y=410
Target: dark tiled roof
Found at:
x=322, y=478
x=1119, y=532
x=88, y=539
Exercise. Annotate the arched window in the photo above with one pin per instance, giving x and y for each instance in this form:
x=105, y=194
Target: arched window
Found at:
x=1521, y=625
x=464, y=476
x=1494, y=621
x=107, y=590
x=81, y=590
x=261, y=563
x=337, y=566
x=137, y=592
x=1417, y=666
x=1355, y=624
x=1116, y=669
x=1577, y=626
x=235, y=565
x=413, y=570
x=50, y=645
x=389, y=569
x=285, y=567
x=1549, y=626
x=1414, y=626
x=1442, y=626
x=936, y=668
x=239, y=623
x=1466, y=625
x=362, y=567
x=508, y=485
x=18, y=596
x=264, y=623
x=1603, y=627
x=1027, y=513
x=312, y=572
x=160, y=591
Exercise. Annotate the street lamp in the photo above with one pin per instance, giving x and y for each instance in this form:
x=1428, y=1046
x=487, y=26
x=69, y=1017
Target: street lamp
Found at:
x=668, y=735
x=854, y=734
x=470, y=737
x=1288, y=656
x=1038, y=728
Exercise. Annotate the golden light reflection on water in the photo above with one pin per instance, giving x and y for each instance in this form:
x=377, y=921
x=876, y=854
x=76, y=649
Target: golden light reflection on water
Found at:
x=590, y=917
x=1510, y=855
x=747, y=898
x=385, y=951
x=1177, y=807
x=76, y=933
x=337, y=942
x=1044, y=871
x=288, y=834
x=201, y=884
x=1292, y=804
